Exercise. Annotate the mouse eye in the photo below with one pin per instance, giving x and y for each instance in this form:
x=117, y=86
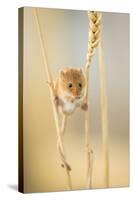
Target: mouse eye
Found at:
x=80, y=85
x=70, y=85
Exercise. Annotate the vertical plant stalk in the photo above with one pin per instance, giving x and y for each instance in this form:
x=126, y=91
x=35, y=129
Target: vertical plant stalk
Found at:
x=60, y=146
x=93, y=41
x=104, y=113
x=64, y=121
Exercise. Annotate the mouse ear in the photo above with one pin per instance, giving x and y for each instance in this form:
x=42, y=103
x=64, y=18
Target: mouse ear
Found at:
x=62, y=73
x=79, y=69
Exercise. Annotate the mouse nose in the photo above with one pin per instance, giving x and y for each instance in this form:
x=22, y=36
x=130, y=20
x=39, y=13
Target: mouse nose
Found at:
x=78, y=97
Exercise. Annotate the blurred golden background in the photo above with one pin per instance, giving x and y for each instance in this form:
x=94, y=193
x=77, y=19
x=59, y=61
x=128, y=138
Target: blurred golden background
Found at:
x=66, y=34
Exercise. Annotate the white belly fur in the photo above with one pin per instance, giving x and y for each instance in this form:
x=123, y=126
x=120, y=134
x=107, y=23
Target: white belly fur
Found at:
x=69, y=107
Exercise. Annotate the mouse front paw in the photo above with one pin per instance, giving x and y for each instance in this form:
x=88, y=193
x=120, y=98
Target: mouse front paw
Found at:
x=56, y=101
x=84, y=106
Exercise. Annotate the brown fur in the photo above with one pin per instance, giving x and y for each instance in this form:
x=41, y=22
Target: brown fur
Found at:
x=67, y=76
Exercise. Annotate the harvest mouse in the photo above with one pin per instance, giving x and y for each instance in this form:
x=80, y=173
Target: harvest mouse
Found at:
x=69, y=88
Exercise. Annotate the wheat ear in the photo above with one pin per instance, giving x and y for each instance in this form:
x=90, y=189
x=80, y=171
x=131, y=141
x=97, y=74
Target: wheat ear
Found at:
x=93, y=41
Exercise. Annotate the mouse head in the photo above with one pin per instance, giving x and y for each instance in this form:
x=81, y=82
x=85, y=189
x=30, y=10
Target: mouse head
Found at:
x=72, y=81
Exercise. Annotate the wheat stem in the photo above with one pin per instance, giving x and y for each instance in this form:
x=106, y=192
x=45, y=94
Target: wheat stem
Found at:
x=60, y=145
